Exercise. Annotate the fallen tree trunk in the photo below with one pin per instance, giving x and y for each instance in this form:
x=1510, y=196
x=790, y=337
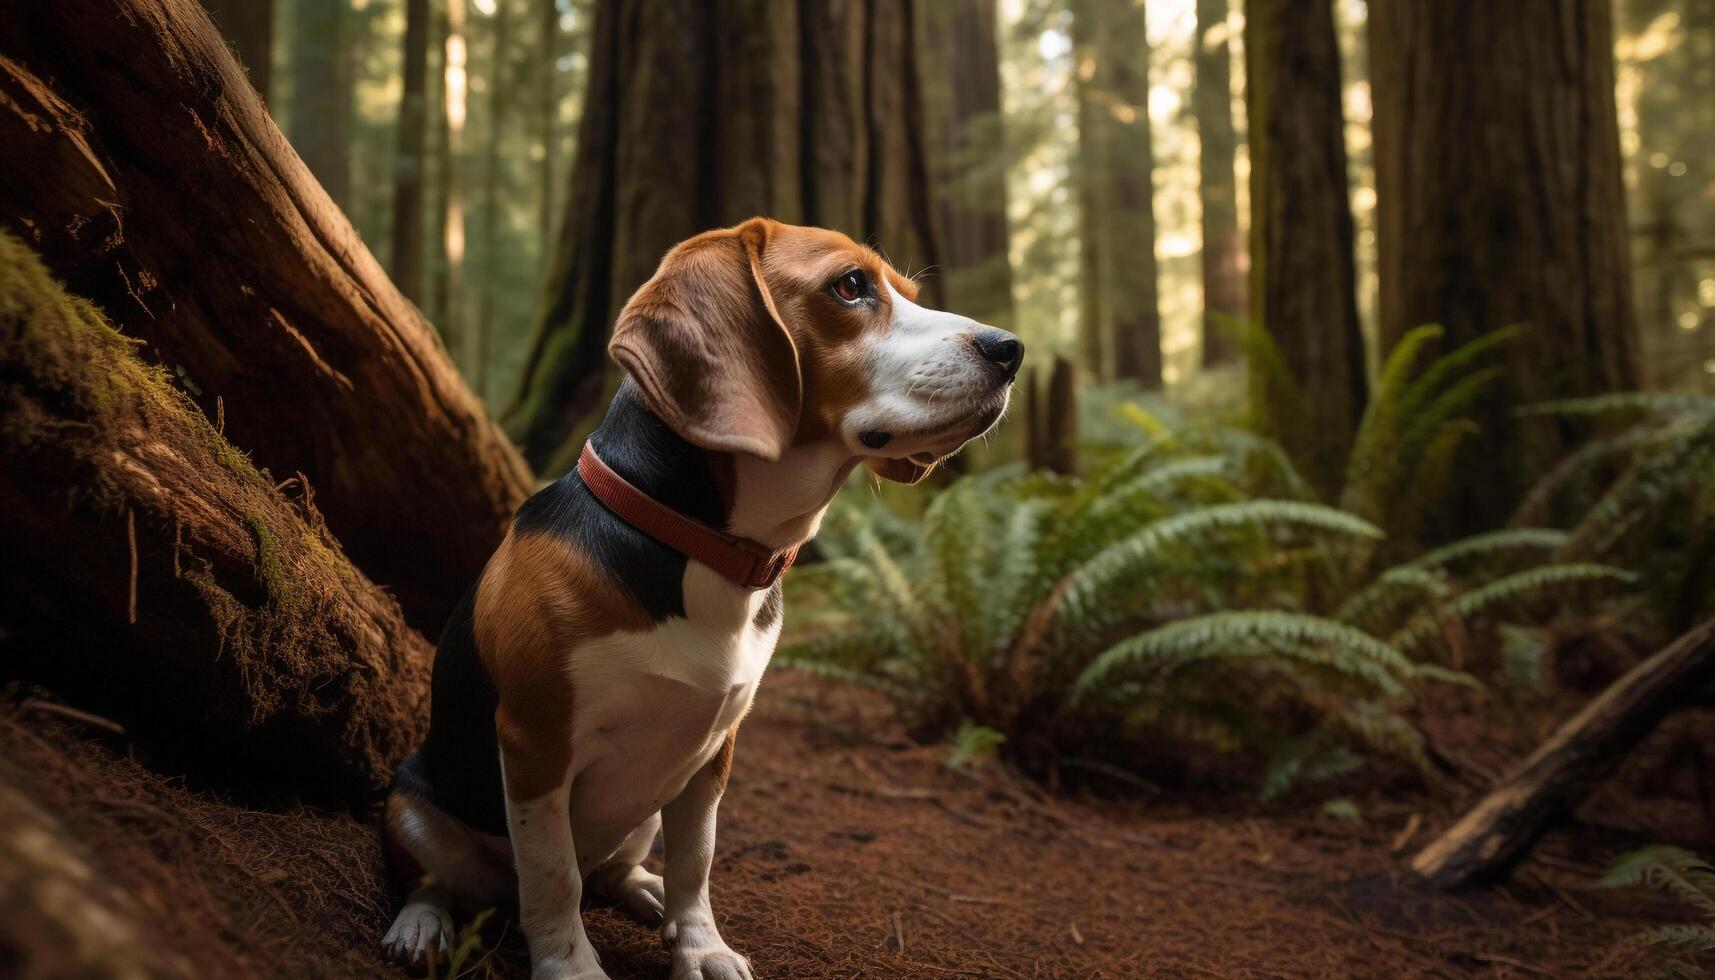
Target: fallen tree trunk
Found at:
x=1501, y=828
x=143, y=167
x=187, y=596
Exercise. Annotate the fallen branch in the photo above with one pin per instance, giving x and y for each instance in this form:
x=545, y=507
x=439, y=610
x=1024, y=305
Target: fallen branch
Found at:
x=1500, y=829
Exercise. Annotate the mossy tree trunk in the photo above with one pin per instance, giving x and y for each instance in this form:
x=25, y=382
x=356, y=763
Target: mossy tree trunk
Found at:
x=143, y=167
x=175, y=580
x=1307, y=385
x=1223, y=250
x=1120, y=320
x=702, y=115
x=1499, y=201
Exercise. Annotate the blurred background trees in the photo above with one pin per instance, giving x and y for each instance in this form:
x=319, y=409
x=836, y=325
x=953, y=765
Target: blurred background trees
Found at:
x=1172, y=198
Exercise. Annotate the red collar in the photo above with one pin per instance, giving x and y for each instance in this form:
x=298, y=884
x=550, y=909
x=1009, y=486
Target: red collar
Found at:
x=747, y=563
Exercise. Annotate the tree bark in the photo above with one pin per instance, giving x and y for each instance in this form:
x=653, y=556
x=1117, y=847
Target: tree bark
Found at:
x=177, y=582
x=409, y=164
x=151, y=180
x=321, y=94
x=455, y=110
x=249, y=29
x=966, y=141
x=1116, y=163
x=1302, y=279
x=1223, y=251
x=1499, y=830
x=702, y=115
x=499, y=97
x=1499, y=201
x=547, y=116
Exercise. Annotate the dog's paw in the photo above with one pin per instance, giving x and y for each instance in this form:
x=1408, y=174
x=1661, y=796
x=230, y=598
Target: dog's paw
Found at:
x=638, y=889
x=421, y=930
x=700, y=954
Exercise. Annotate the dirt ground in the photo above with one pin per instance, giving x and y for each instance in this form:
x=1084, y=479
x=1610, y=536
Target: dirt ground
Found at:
x=848, y=851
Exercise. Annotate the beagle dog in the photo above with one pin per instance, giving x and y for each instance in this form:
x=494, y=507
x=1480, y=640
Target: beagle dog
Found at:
x=588, y=689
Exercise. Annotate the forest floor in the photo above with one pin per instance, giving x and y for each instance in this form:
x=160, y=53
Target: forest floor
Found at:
x=846, y=850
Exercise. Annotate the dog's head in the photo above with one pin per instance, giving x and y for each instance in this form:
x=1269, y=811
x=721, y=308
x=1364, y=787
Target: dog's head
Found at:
x=765, y=336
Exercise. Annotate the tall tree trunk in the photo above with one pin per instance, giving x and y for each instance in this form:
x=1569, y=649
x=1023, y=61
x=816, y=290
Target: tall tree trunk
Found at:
x=702, y=115
x=249, y=29
x=958, y=47
x=409, y=165
x=499, y=95
x=1302, y=282
x=1121, y=318
x=1499, y=201
x=455, y=107
x=175, y=578
x=150, y=178
x=321, y=94
x=1223, y=252
x=548, y=116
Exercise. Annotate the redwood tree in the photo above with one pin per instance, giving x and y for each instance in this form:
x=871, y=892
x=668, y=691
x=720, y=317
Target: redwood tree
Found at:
x=408, y=164
x=701, y=115
x=1302, y=283
x=1499, y=201
x=142, y=166
x=321, y=94
x=966, y=142
x=1223, y=251
x=1120, y=321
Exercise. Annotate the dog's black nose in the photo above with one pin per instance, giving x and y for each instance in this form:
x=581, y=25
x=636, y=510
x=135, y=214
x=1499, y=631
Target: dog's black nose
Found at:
x=1001, y=349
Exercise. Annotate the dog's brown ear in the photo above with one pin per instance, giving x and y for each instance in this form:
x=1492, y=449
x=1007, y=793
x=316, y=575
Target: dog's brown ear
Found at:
x=703, y=341
x=900, y=470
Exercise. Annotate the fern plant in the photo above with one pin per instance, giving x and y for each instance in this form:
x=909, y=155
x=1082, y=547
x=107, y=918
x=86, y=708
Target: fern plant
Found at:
x=1686, y=877
x=1643, y=492
x=1188, y=590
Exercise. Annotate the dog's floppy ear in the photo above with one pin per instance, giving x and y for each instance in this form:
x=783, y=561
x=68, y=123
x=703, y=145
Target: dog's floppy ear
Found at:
x=899, y=470
x=704, y=343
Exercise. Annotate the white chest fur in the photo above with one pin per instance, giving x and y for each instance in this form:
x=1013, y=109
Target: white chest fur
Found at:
x=652, y=708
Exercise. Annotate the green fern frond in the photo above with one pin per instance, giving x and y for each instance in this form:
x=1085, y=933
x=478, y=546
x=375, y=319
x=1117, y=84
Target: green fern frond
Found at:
x=1381, y=601
x=1090, y=583
x=1447, y=368
x=1237, y=635
x=1681, y=455
x=1306, y=759
x=1522, y=650
x=1544, y=539
x=1372, y=463
x=1671, y=869
x=1510, y=588
x=1640, y=402
x=1692, y=937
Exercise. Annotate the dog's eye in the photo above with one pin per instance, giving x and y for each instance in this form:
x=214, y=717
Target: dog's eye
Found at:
x=852, y=286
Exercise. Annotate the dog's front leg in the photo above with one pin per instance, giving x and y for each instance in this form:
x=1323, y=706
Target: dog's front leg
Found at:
x=688, y=830
x=538, y=800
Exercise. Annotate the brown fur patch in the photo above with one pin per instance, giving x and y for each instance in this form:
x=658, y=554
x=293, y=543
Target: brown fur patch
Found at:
x=538, y=600
x=721, y=765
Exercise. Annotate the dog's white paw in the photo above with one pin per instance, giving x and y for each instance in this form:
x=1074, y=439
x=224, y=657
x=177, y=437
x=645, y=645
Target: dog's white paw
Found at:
x=421, y=930
x=699, y=953
x=638, y=889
